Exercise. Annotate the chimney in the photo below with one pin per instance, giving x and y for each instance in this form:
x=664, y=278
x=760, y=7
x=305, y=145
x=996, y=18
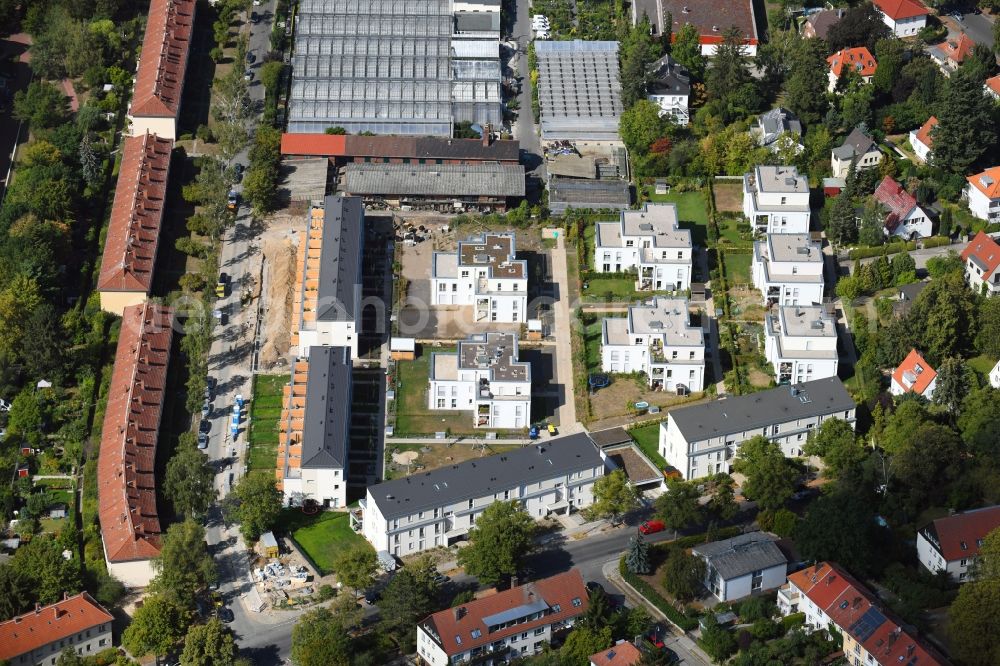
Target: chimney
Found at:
x=514, y=581
x=486, y=135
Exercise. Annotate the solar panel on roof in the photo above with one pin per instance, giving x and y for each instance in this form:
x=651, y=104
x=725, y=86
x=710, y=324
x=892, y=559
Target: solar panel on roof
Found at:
x=867, y=624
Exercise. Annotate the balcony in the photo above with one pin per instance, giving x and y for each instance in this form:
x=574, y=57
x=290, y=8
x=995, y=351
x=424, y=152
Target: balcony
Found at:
x=784, y=372
x=482, y=415
x=482, y=309
x=656, y=354
x=788, y=599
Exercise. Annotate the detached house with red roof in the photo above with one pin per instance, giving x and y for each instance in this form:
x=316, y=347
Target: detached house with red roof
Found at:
x=982, y=264
x=904, y=218
x=832, y=599
x=921, y=139
x=904, y=17
x=858, y=59
x=983, y=194
x=126, y=481
x=952, y=544
x=950, y=54
x=159, y=80
x=992, y=87
x=621, y=653
x=914, y=375
x=37, y=637
x=498, y=628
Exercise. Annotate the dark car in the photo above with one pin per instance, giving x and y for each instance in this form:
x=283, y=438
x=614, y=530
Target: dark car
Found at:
x=372, y=596
x=205, y=427
x=251, y=58
x=593, y=586
x=225, y=614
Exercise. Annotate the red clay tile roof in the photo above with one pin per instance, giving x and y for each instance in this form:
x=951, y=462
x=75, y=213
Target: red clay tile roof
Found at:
x=993, y=83
x=987, y=182
x=958, y=50
x=63, y=619
x=126, y=486
x=163, y=60
x=856, y=611
x=986, y=252
x=326, y=145
x=901, y=9
x=898, y=201
x=621, y=654
x=712, y=18
x=914, y=374
x=859, y=59
x=968, y=528
x=398, y=147
x=924, y=133
x=134, y=229
x=460, y=622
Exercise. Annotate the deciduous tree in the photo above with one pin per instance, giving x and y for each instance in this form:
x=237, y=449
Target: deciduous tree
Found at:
x=835, y=442
x=770, y=478
x=686, y=50
x=209, y=644
x=184, y=566
x=189, y=482
x=498, y=543
x=683, y=574
x=583, y=642
x=410, y=596
x=614, y=496
x=840, y=526
x=679, y=507
x=355, y=567
x=319, y=639
x=157, y=626
x=259, y=505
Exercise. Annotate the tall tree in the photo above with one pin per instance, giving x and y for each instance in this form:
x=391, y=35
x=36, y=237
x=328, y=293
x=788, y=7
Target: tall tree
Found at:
x=258, y=505
x=966, y=129
x=728, y=82
x=687, y=51
x=872, y=219
x=498, y=543
x=42, y=105
x=184, y=566
x=583, y=642
x=770, y=478
x=355, y=567
x=52, y=575
x=319, y=639
x=841, y=526
x=974, y=623
x=637, y=54
x=189, y=482
x=945, y=313
x=953, y=383
x=410, y=596
x=683, y=574
x=723, y=504
x=637, y=557
x=614, y=496
x=889, y=53
x=16, y=593
x=860, y=26
x=805, y=92
x=679, y=507
x=835, y=442
x=988, y=335
x=979, y=423
x=209, y=644
x=157, y=626
x=641, y=126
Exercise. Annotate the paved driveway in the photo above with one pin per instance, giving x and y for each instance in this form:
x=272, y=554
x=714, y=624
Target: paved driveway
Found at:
x=979, y=27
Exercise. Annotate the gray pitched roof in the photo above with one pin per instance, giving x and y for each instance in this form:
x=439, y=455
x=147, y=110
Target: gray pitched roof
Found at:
x=501, y=180
x=327, y=417
x=340, y=259
x=856, y=143
x=773, y=123
x=742, y=554
x=737, y=414
x=669, y=77
x=485, y=476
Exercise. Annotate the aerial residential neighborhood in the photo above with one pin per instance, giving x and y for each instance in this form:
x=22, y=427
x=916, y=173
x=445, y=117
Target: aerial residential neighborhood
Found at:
x=534, y=332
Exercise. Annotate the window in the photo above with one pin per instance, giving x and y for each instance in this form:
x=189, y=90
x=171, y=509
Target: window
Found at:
x=964, y=545
x=539, y=631
x=557, y=608
x=576, y=602
x=476, y=633
x=965, y=562
x=465, y=273
x=442, y=286
x=458, y=639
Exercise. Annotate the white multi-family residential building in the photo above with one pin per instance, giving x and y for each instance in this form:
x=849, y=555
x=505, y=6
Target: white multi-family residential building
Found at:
x=37, y=638
x=501, y=627
x=801, y=343
x=485, y=273
x=437, y=508
x=776, y=200
x=914, y=375
x=656, y=338
x=922, y=141
x=858, y=148
x=788, y=269
x=649, y=241
x=483, y=376
x=952, y=543
x=903, y=217
x=703, y=439
x=326, y=305
x=983, y=194
x=743, y=565
x=669, y=89
x=905, y=18
x=982, y=264
x=834, y=602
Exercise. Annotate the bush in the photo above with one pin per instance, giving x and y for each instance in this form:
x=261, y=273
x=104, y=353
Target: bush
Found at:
x=754, y=608
x=936, y=241
x=764, y=629
x=888, y=248
x=793, y=620
x=649, y=592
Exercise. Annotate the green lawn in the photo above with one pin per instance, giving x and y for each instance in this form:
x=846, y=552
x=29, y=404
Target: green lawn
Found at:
x=321, y=536
x=647, y=438
x=610, y=289
x=265, y=412
x=737, y=267
x=413, y=417
x=592, y=345
x=982, y=364
x=690, y=210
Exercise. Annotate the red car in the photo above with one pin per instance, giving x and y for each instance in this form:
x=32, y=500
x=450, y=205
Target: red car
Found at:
x=652, y=527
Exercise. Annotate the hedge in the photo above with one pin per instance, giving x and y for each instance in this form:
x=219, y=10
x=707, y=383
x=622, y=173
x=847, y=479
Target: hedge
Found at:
x=888, y=248
x=698, y=539
x=936, y=241
x=793, y=620
x=652, y=596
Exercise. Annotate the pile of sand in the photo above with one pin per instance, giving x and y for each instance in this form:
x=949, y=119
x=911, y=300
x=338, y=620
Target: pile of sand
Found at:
x=404, y=457
x=279, y=254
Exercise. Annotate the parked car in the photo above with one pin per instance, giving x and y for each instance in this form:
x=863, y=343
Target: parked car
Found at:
x=225, y=614
x=251, y=58
x=205, y=426
x=206, y=409
x=652, y=527
x=202, y=440
x=233, y=200
x=248, y=75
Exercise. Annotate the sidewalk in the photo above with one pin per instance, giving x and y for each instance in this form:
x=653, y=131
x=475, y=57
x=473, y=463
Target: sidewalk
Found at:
x=564, y=351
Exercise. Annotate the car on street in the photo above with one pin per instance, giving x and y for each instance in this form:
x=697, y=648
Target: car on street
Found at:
x=205, y=426
x=652, y=527
x=202, y=440
x=248, y=75
x=225, y=614
x=221, y=285
x=206, y=409
x=251, y=58
x=233, y=200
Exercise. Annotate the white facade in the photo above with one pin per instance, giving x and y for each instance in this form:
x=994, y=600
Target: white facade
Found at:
x=776, y=200
x=163, y=127
x=916, y=224
x=995, y=376
x=483, y=376
x=329, y=334
x=982, y=264
x=952, y=543
x=931, y=559
x=744, y=586
x=658, y=340
x=743, y=565
x=703, y=439
x=522, y=644
x=483, y=273
x=674, y=105
x=650, y=242
x=981, y=204
x=788, y=269
x=920, y=149
x=801, y=343
x=904, y=27
x=326, y=486
x=841, y=167
x=134, y=573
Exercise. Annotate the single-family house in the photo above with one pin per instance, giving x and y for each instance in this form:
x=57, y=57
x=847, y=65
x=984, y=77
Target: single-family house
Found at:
x=670, y=88
x=770, y=129
x=914, y=375
x=952, y=543
x=818, y=25
x=801, y=343
x=992, y=87
x=657, y=339
x=484, y=273
x=904, y=218
x=858, y=148
x=906, y=296
x=951, y=53
x=743, y=565
x=622, y=653
x=858, y=59
x=700, y=440
x=788, y=269
x=776, y=200
x=905, y=18
x=983, y=194
x=649, y=241
x=982, y=264
x=921, y=140
x=485, y=377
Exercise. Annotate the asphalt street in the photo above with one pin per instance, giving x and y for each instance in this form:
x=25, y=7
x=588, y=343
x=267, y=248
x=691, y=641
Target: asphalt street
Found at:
x=524, y=128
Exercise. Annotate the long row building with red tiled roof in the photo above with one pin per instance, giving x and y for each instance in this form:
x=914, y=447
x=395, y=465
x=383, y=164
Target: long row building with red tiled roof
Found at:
x=39, y=636
x=159, y=81
x=136, y=218
x=126, y=485
x=831, y=599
